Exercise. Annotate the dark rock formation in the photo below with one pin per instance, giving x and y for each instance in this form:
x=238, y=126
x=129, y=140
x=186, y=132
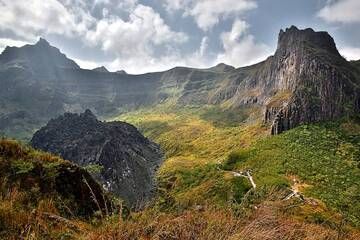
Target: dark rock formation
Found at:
x=306, y=81
x=127, y=159
x=41, y=175
x=321, y=83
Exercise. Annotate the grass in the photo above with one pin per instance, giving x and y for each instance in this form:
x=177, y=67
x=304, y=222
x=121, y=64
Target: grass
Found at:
x=323, y=157
x=198, y=196
x=43, y=196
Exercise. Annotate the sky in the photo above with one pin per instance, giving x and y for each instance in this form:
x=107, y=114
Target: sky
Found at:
x=141, y=36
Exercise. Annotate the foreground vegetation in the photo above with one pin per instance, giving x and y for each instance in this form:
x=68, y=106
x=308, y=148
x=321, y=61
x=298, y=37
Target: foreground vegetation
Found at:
x=44, y=197
x=198, y=196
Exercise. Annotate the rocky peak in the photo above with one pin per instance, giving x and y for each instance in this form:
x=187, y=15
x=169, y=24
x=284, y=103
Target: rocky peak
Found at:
x=43, y=43
x=126, y=159
x=41, y=58
x=293, y=39
x=307, y=81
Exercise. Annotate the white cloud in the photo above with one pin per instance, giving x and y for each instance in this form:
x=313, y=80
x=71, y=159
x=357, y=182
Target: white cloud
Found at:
x=135, y=38
x=342, y=11
x=350, y=53
x=240, y=48
x=36, y=17
x=207, y=13
x=174, y=57
x=140, y=41
x=4, y=42
x=88, y=64
x=203, y=46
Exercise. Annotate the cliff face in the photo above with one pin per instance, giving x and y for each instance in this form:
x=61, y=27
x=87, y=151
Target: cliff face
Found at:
x=322, y=84
x=126, y=160
x=306, y=80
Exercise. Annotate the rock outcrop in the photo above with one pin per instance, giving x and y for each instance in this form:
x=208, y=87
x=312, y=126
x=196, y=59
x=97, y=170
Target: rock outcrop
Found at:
x=307, y=80
x=125, y=160
x=321, y=83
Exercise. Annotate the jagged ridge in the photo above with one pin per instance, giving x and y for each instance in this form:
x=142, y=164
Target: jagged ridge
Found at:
x=127, y=160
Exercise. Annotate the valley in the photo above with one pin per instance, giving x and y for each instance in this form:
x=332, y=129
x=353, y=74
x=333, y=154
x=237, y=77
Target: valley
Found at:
x=177, y=141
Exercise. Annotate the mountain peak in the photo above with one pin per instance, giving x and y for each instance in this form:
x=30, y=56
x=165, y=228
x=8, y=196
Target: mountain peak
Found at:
x=294, y=38
x=222, y=67
x=127, y=157
x=43, y=42
x=88, y=114
x=123, y=72
x=101, y=69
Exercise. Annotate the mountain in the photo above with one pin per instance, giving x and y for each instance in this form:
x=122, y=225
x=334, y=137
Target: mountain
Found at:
x=41, y=58
x=121, y=72
x=126, y=159
x=101, y=69
x=306, y=80
x=222, y=67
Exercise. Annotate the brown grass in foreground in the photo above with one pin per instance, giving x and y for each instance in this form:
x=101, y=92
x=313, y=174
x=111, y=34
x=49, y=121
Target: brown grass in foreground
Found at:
x=265, y=223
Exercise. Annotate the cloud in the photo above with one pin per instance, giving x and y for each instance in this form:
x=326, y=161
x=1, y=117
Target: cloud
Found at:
x=132, y=36
x=4, y=42
x=350, y=53
x=344, y=11
x=135, y=37
x=207, y=13
x=87, y=64
x=240, y=48
x=203, y=46
x=131, y=39
x=36, y=17
x=174, y=57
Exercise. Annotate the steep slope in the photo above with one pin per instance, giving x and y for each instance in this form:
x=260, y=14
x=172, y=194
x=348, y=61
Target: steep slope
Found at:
x=41, y=58
x=306, y=80
x=40, y=194
x=126, y=160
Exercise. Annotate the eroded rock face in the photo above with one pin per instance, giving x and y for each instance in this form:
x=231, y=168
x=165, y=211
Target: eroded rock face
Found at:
x=307, y=80
x=321, y=81
x=127, y=159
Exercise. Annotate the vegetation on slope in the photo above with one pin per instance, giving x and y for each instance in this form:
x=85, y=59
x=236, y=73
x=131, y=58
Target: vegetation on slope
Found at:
x=198, y=195
x=321, y=159
x=199, y=198
x=43, y=196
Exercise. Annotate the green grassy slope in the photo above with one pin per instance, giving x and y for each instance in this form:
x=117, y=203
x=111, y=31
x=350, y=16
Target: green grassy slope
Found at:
x=323, y=158
x=198, y=195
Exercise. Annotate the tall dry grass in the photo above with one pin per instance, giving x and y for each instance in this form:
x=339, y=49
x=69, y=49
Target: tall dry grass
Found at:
x=266, y=223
